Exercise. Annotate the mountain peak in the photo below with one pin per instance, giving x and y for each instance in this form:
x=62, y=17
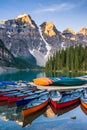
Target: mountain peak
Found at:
x=83, y=31
x=49, y=28
x=2, y=21
x=26, y=18
x=69, y=30
x=22, y=15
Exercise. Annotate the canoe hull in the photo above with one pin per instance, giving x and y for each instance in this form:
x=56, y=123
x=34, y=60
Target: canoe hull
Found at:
x=29, y=119
x=84, y=104
x=64, y=104
x=83, y=109
x=28, y=111
x=66, y=109
x=68, y=82
x=14, y=99
x=3, y=98
x=23, y=102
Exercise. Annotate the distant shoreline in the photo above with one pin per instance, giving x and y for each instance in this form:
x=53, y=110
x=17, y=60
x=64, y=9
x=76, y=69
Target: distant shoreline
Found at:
x=8, y=70
x=13, y=70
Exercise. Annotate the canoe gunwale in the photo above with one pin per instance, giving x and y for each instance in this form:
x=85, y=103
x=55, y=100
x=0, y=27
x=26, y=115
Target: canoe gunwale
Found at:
x=27, y=111
x=60, y=105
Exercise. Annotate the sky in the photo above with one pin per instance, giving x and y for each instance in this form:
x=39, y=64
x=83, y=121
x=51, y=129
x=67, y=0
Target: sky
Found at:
x=63, y=13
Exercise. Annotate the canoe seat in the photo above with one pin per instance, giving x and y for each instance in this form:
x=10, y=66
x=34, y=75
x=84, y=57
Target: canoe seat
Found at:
x=55, y=99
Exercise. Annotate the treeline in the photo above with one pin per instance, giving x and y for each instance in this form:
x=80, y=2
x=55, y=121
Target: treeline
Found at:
x=70, y=59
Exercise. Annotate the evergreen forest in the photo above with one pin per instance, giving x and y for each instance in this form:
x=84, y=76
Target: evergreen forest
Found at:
x=69, y=59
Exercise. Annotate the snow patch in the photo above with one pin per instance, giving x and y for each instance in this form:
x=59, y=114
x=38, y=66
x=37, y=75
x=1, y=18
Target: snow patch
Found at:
x=14, y=25
x=2, y=26
x=9, y=33
x=47, y=44
x=39, y=57
x=22, y=15
x=9, y=36
x=32, y=51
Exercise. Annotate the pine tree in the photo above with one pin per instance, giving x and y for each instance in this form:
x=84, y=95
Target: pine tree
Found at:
x=76, y=59
x=71, y=58
x=67, y=59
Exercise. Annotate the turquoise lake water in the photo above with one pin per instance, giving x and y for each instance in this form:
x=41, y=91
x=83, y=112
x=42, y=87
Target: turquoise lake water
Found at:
x=47, y=119
x=21, y=75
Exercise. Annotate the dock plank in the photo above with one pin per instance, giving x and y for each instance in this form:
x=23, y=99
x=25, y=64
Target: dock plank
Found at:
x=60, y=88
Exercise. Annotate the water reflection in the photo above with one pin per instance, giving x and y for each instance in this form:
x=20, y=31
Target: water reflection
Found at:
x=66, y=74
x=30, y=75
x=49, y=112
x=9, y=112
x=21, y=75
x=83, y=109
x=65, y=110
x=31, y=117
x=3, y=103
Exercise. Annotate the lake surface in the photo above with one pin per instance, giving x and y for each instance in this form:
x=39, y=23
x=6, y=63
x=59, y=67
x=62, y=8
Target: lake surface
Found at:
x=21, y=75
x=30, y=75
x=46, y=119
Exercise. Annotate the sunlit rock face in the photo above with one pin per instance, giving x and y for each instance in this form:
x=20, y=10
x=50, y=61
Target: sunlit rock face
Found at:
x=81, y=36
x=49, y=29
x=69, y=30
x=69, y=34
x=25, y=18
x=83, y=31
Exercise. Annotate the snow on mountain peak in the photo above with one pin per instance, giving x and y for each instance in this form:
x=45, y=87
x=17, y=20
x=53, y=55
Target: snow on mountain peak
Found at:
x=69, y=30
x=26, y=18
x=22, y=15
x=83, y=31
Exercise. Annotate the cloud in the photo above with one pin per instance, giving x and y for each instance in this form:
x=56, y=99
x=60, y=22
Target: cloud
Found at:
x=61, y=7
x=64, y=6
x=55, y=8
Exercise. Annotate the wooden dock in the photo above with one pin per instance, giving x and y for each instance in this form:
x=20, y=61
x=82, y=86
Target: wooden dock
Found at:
x=60, y=88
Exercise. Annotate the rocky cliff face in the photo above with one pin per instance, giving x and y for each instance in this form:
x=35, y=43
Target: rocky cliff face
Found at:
x=69, y=34
x=24, y=39
x=53, y=37
x=6, y=58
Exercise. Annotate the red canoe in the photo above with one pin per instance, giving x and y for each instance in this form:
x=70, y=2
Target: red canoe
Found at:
x=66, y=109
x=3, y=98
x=14, y=99
x=1, y=95
x=65, y=101
x=11, y=99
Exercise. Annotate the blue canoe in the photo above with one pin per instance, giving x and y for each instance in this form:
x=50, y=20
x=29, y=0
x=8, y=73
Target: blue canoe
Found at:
x=85, y=76
x=26, y=100
x=9, y=83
